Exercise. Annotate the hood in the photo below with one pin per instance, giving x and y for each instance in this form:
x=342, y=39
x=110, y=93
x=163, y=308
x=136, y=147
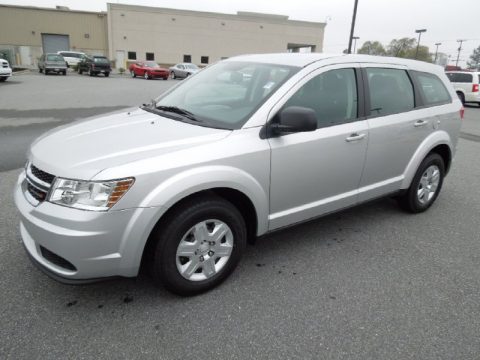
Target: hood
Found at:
x=83, y=149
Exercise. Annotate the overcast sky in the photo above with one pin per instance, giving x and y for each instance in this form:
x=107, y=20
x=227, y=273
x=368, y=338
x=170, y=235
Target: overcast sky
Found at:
x=382, y=20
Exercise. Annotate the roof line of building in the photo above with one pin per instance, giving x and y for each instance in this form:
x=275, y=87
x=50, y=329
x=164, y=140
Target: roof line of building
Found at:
x=240, y=15
x=67, y=10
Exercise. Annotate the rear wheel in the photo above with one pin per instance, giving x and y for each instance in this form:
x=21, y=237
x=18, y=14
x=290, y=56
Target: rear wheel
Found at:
x=132, y=73
x=173, y=75
x=198, y=245
x=90, y=72
x=425, y=186
x=461, y=97
x=45, y=71
x=107, y=74
x=2, y=79
x=40, y=70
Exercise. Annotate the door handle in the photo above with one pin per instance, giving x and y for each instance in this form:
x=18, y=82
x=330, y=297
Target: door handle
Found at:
x=355, y=137
x=420, y=123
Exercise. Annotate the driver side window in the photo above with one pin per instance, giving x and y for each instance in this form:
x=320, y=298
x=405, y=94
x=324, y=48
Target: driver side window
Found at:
x=332, y=95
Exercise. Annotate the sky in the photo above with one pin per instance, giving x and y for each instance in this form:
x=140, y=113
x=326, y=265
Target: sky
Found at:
x=377, y=20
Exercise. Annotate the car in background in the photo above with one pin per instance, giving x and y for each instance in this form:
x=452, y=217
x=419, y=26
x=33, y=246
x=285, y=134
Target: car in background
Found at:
x=72, y=57
x=52, y=62
x=183, y=70
x=5, y=70
x=95, y=65
x=466, y=85
x=149, y=70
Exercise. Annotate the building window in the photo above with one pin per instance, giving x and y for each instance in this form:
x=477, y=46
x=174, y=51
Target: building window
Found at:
x=187, y=58
x=132, y=55
x=204, y=59
x=149, y=56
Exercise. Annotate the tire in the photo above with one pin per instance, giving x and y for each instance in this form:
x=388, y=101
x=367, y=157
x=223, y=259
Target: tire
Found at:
x=80, y=71
x=2, y=79
x=173, y=75
x=64, y=73
x=90, y=72
x=205, y=214
x=461, y=97
x=107, y=74
x=166, y=78
x=45, y=72
x=146, y=76
x=430, y=175
x=132, y=74
x=40, y=70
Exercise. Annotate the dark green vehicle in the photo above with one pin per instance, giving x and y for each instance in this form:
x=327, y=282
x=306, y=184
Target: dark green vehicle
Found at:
x=94, y=65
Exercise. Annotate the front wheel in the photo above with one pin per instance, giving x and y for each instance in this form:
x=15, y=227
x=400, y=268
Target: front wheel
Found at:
x=132, y=73
x=198, y=245
x=173, y=75
x=107, y=74
x=146, y=76
x=425, y=186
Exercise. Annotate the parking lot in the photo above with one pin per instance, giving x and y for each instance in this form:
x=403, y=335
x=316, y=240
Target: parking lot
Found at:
x=370, y=282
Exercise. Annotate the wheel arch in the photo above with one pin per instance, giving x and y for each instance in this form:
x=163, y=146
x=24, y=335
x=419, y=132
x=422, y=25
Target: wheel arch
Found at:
x=440, y=143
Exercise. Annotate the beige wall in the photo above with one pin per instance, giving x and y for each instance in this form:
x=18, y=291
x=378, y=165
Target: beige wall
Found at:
x=170, y=33
x=23, y=27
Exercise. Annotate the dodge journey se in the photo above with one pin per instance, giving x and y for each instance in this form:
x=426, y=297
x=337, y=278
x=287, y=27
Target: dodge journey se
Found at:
x=244, y=147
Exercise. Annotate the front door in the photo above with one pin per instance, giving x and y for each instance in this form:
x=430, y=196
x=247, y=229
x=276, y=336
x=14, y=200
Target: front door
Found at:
x=313, y=173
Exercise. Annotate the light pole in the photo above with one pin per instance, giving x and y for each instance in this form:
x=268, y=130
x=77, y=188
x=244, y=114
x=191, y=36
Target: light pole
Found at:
x=459, y=49
x=436, y=52
x=355, y=43
x=419, y=32
x=352, y=28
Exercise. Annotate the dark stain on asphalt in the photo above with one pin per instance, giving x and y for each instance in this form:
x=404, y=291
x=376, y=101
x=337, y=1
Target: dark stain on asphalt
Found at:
x=71, y=303
x=260, y=265
x=333, y=297
x=100, y=306
x=157, y=327
x=128, y=299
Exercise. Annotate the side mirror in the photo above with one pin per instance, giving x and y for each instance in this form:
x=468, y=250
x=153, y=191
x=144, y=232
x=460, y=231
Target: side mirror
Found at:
x=294, y=119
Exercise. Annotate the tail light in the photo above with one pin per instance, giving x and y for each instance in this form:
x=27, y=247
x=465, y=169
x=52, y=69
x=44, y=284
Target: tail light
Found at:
x=475, y=88
x=462, y=112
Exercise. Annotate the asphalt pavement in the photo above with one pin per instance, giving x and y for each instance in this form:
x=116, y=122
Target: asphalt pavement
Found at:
x=371, y=282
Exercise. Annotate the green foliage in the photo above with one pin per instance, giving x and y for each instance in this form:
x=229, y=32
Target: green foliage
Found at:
x=121, y=70
x=474, y=62
x=372, y=48
x=403, y=48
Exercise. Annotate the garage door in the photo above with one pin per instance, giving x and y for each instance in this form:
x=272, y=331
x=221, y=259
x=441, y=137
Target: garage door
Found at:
x=52, y=43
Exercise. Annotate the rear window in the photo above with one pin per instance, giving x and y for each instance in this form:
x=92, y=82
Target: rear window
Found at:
x=432, y=88
x=391, y=91
x=72, y=55
x=55, y=58
x=100, y=60
x=460, y=77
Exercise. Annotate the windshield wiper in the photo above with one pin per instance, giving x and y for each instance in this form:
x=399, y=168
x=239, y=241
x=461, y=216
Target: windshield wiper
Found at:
x=177, y=110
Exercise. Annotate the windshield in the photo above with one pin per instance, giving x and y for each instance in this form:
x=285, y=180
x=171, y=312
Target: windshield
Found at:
x=55, y=57
x=151, y=64
x=100, y=60
x=191, y=66
x=226, y=94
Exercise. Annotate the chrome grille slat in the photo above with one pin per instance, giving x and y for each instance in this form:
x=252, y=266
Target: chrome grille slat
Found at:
x=38, y=183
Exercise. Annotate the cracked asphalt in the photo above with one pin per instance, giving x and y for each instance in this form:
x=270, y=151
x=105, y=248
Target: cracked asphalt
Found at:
x=371, y=282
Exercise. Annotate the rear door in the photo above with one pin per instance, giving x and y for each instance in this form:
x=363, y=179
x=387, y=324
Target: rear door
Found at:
x=396, y=128
x=313, y=173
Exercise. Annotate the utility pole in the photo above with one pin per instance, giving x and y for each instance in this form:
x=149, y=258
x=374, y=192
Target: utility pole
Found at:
x=419, y=32
x=352, y=28
x=459, y=49
x=355, y=44
x=436, y=52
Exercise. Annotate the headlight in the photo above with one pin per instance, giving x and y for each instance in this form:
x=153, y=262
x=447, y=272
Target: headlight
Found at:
x=89, y=195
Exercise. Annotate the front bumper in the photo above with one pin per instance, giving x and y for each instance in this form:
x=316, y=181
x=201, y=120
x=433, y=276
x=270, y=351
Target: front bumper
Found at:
x=98, y=245
x=5, y=72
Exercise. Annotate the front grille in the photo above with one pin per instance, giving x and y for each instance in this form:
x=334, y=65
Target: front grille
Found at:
x=42, y=175
x=57, y=260
x=37, y=194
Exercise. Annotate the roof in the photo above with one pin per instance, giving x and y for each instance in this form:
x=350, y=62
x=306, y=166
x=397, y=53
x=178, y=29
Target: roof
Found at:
x=305, y=59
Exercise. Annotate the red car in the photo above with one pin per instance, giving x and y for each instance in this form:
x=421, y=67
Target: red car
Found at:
x=149, y=70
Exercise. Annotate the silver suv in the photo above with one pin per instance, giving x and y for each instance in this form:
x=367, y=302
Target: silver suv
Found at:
x=247, y=146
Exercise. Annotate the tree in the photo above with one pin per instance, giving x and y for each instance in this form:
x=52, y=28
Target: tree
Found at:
x=407, y=48
x=474, y=62
x=372, y=48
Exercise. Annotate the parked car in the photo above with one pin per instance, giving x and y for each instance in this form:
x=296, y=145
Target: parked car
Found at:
x=466, y=84
x=183, y=70
x=72, y=57
x=52, y=63
x=182, y=183
x=95, y=65
x=149, y=70
x=5, y=70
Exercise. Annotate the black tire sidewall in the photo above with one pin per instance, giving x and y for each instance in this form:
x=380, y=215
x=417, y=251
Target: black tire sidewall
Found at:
x=164, y=266
x=413, y=202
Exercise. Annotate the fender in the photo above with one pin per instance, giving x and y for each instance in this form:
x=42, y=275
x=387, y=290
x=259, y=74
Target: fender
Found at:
x=435, y=139
x=191, y=181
